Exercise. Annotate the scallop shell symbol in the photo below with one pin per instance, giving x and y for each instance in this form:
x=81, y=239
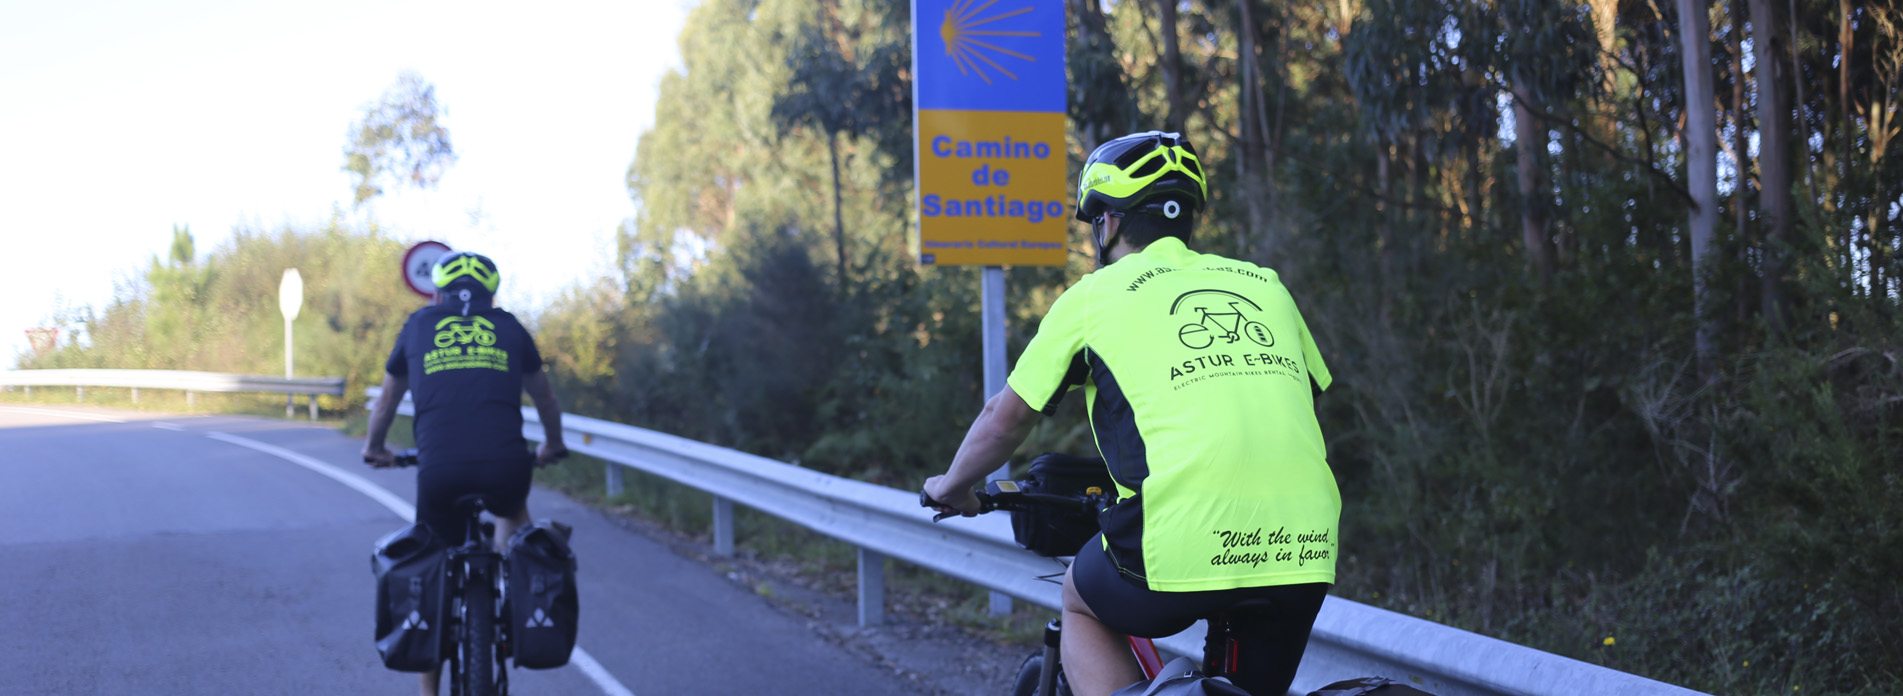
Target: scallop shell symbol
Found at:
x=968, y=34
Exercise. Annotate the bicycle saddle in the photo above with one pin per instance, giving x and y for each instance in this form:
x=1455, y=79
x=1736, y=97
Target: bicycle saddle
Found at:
x=1252, y=605
x=470, y=504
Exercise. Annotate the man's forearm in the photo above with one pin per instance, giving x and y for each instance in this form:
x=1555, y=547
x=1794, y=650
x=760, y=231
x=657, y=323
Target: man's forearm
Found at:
x=991, y=440
x=382, y=416
x=550, y=411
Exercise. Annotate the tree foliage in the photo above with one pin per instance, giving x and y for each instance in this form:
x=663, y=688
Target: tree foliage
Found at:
x=400, y=141
x=219, y=313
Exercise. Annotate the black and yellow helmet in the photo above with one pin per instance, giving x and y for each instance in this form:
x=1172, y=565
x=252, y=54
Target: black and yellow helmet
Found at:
x=468, y=268
x=1125, y=172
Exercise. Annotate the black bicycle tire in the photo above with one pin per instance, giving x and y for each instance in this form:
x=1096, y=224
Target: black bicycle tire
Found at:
x=1026, y=682
x=478, y=652
x=1028, y=671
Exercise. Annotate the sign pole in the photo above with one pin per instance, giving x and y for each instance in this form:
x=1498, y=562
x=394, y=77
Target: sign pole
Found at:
x=290, y=301
x=989, y=116
x=290, y=408
x=992, y=319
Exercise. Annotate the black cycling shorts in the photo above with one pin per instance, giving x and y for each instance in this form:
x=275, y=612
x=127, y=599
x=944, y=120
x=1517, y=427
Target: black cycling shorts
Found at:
x=1271, y=633
x=503, y=484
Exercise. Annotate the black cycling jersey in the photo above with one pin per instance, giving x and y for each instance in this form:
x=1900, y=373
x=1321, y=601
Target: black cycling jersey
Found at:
x=465, y=376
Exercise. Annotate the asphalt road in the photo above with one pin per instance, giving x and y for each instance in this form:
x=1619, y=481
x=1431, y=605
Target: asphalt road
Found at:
x=144, y=554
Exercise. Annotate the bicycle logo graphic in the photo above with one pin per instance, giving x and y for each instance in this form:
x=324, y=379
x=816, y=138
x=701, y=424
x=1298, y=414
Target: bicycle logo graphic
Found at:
x=452, y=330
x=1219, y=316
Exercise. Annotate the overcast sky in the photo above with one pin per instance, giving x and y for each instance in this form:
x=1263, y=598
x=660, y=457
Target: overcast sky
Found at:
x=119, y=119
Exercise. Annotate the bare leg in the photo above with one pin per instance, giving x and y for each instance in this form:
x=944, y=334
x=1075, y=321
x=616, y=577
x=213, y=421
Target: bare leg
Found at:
x=431, y=680
x=1097, y=660
x=507, y=526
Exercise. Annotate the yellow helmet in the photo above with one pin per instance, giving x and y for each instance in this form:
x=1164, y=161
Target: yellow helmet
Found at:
x=1123, y=173
x=462, y=264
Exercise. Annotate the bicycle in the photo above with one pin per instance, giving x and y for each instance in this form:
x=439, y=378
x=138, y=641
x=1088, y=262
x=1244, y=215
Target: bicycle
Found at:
x=1200, y=335
x=1221, y=655
x=479, y=647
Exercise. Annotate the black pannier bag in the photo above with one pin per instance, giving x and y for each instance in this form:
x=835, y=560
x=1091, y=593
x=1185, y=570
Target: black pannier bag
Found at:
x=543, y=605
x=411, y=572
x=1368, y=686
x=1051, y=532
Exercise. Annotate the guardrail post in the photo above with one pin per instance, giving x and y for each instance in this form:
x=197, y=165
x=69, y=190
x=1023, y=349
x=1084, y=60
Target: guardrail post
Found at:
x=871, y=587
x=79, y=393
x=313, y=407
x=135, y=395
x=191, y=400
x=723, y=526
x=613, y=472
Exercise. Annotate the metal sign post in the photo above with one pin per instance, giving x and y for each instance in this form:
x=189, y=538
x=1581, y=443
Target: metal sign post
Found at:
x=989, y=117
x=290, y=302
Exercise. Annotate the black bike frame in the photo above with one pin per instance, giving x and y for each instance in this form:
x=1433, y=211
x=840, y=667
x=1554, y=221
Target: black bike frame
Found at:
x=475, y=561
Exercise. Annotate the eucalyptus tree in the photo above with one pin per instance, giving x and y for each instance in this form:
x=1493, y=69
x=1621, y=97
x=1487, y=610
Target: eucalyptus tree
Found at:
x=399, y=141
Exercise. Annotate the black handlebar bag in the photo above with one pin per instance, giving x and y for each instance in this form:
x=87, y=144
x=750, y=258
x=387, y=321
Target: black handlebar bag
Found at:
x=543, y=604
x=1046, y=531
x=412, y=574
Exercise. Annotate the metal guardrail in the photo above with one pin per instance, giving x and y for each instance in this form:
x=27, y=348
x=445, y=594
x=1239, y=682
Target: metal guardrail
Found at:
x=1349, y=640
x=178, y=380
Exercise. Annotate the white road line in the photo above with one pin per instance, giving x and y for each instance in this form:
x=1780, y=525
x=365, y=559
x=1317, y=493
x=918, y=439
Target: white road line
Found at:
x=581, y=659
x=587, y=664
x=174, y=427
x=355, y=482
x=62, y=414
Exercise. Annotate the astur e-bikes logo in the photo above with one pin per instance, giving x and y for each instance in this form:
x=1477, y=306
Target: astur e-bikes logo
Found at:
x=1219, y=315
x=464, y=343
x=1228, y=323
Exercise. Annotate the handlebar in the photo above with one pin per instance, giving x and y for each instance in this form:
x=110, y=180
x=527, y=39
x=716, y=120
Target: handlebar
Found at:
x=407, y=457
x=1011, y=495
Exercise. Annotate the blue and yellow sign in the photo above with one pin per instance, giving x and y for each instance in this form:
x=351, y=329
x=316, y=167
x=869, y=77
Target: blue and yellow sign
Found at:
x=990, y=96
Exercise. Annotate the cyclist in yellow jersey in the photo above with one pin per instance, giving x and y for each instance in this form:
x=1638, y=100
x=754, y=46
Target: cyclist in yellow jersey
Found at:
x=1197, y=372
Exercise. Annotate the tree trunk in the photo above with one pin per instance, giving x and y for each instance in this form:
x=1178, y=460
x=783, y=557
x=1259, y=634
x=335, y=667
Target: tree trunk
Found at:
x=1741, y=156
x=1797, y=91
x=1701, y=162
x=839, y=219
x=1769, y=44
x=1173, y=66
x=1385, y=207
x=1529, y=142
x=1837, y=161
x=1257, y=156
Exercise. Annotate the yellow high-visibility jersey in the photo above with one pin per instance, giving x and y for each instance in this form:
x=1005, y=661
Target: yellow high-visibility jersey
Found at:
x=1196, y=371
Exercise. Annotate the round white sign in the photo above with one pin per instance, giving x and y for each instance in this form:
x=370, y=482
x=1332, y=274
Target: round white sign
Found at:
x=417, y=264
x=291, y=294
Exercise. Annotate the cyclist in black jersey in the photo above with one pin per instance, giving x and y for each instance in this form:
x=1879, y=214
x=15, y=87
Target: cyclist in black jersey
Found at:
x=467, y=364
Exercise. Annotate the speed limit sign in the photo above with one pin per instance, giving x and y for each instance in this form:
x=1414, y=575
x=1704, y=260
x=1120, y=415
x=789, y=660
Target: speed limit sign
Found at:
x=418, y=262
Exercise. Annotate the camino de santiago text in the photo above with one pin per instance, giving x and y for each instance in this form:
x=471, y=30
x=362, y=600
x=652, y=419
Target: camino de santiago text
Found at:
x=1000, y=205
x=1256, y=547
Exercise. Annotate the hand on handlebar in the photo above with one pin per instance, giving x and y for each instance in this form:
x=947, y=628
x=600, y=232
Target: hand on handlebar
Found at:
x=951, y=500
x=550, y=453
x=379, y=457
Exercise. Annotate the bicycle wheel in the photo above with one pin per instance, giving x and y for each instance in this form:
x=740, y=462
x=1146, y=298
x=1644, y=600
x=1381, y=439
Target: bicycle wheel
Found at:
x=1026, y=683
x=1030, y=672
x=478, y=647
